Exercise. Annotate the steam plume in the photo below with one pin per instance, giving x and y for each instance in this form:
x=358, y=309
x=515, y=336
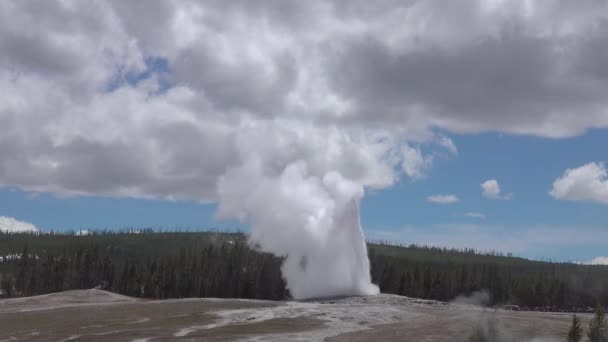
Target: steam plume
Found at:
x=313, y=221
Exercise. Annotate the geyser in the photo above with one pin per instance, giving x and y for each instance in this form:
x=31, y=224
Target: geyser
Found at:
x=311, y=220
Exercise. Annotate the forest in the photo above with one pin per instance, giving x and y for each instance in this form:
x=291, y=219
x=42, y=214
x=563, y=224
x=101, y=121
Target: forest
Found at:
x=153, y=264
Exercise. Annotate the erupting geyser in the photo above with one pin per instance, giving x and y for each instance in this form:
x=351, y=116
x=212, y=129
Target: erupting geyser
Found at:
x=312, y=221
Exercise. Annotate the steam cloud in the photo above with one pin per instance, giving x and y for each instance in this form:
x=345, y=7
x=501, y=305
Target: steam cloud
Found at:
x=307, y=212
x=489, y=325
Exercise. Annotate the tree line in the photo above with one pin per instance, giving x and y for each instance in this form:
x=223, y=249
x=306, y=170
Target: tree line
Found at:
x=443, y=274
x=126, y=264
x=151, y=264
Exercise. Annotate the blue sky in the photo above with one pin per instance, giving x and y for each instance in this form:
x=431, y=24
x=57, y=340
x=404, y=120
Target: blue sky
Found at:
x=524, y=166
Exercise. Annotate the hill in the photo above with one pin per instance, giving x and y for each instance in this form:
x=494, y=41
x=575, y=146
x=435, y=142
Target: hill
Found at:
x=150, y=264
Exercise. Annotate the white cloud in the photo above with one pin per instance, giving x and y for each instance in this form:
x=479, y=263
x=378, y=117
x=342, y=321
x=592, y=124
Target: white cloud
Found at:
x=475, y=215
x=414, y=163
x=491, y=189
x=586, y=183
x=12, y=225
x=448, y=144
x=333, y=84
x=443, y=199
x=601, y=260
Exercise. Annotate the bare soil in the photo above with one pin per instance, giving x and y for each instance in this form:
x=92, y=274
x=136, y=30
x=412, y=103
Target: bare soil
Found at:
x=95, y=315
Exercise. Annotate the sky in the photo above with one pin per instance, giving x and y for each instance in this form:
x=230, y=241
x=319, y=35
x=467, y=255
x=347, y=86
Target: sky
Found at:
x=481, y=124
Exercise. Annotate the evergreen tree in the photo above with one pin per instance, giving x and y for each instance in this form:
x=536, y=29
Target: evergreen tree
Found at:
x=402, y=285
x=205, y=264
x=21, y=281
x=6, y=285
x=575, y=334
x=597, y=326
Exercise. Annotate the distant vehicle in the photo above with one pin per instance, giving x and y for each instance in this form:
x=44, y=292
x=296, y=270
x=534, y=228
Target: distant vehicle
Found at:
x=511, y=307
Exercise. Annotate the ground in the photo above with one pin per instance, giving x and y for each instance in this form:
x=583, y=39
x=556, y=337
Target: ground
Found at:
x=95, y=315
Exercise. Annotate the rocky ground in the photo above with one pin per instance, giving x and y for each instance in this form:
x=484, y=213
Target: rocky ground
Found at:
x=95, y=315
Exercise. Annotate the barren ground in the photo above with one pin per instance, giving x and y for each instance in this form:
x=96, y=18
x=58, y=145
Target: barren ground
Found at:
x=95, y=315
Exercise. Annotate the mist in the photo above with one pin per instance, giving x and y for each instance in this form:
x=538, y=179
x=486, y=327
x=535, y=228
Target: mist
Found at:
x=490, y=325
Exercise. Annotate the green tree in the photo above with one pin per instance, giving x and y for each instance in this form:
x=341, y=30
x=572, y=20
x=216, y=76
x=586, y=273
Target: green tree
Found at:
x=23, y=270
x=6, y=285
x=597, y=326
x=575, y=334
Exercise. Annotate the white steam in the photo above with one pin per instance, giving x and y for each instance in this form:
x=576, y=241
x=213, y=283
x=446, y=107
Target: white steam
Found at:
x=299, y=187
x=312, y=221
x=298, y=184
x=491, y=324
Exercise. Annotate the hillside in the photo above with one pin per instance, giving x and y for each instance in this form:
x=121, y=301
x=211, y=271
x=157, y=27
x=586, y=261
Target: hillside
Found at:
x=213, y=264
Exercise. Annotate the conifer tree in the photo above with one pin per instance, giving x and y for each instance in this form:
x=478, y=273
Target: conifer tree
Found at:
x=575, y=334
x=597, y=326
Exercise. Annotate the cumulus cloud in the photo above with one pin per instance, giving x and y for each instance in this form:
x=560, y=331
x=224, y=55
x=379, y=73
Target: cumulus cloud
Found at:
x=97, y=100
x=601, y=260
x=443, y=199
x=491, y=189
x=585, y=183
x=12, y=225
x=475, y=215
x=163, y=105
